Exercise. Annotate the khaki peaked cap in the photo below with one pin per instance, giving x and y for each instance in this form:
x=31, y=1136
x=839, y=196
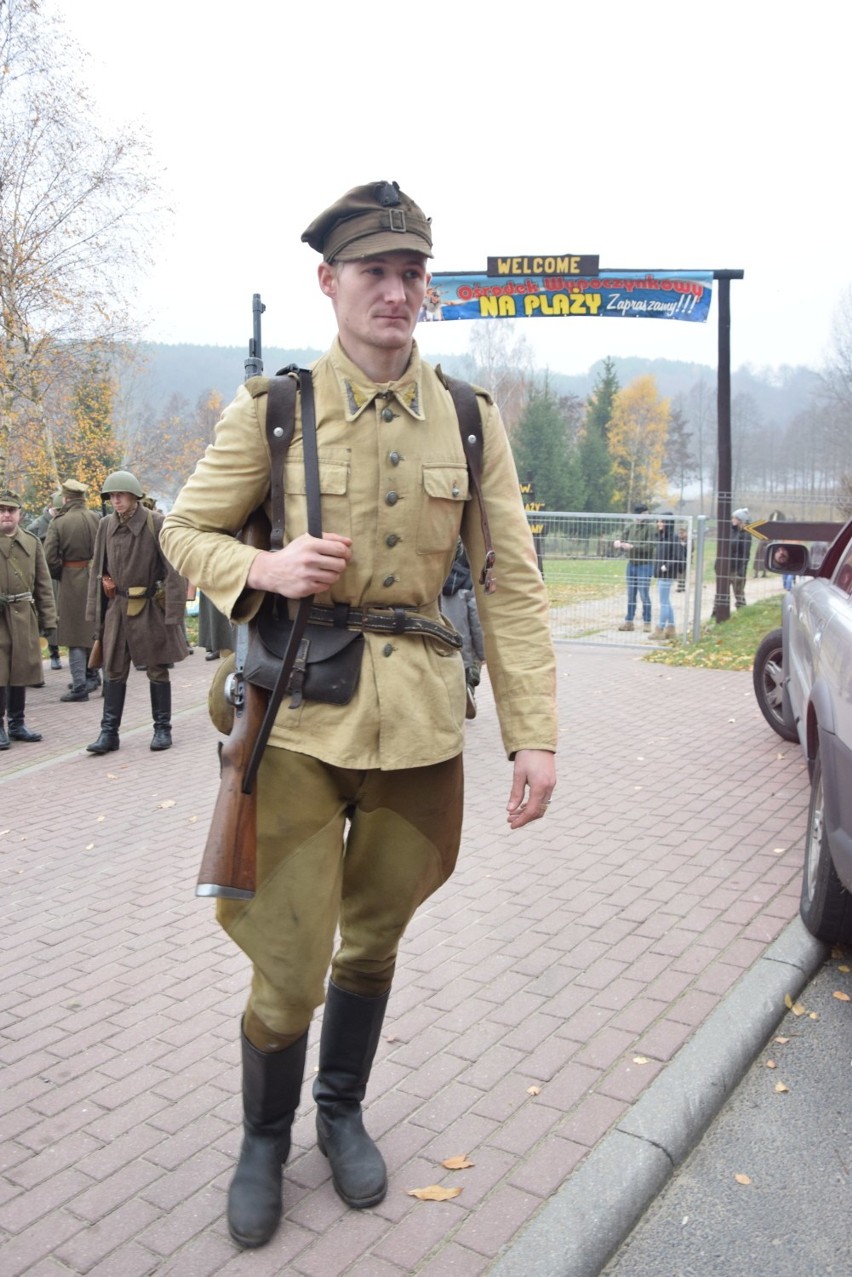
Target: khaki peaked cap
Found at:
x=371, y=219
x=74, y=488
x=10, y=498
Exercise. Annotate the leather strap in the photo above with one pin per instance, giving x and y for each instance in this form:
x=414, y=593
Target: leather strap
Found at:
x=470, y=425
x=392, y=620
x=312, y=490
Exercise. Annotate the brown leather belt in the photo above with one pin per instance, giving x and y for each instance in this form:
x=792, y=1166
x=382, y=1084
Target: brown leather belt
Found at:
x=393, y=620
x=76, y=563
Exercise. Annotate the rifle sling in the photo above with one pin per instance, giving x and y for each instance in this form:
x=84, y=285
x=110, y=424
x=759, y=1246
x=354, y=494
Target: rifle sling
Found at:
x=280, y=421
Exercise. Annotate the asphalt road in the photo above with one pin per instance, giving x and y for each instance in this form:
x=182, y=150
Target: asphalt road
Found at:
x=793, y=1217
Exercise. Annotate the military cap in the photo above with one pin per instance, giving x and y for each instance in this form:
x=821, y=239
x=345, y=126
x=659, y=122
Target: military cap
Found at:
x=371, y=219
x=10, y=498
x=57, y=498
x=73, y=487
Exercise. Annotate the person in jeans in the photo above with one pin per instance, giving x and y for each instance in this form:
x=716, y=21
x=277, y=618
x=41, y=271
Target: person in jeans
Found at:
x=669, y=563
x=639, y=541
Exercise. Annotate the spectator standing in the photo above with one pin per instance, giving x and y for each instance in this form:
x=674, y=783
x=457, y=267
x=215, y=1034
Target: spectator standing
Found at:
x=740, y=551
x=38, y=527
x=669, y=555
x=638, y=540
x=27, y=610
x=68, y=547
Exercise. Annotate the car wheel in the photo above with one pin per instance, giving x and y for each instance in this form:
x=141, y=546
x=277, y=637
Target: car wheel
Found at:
x=826, y=905
x=768, y=681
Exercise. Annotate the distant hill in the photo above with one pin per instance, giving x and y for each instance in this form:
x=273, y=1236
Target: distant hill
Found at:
x=189, y=371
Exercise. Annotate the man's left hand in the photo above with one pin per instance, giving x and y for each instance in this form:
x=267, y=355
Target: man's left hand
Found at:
x=532, y=785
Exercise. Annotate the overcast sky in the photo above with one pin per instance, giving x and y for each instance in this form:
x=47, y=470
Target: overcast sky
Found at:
x=654, y=135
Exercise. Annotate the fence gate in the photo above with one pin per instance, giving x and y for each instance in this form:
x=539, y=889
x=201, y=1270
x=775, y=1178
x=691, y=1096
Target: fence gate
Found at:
x=586, y=578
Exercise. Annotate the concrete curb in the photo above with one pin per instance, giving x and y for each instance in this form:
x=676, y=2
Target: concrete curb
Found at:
x=579, y=1229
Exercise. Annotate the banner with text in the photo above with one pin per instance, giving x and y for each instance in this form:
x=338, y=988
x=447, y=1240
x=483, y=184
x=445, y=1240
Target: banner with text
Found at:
x=683, y=295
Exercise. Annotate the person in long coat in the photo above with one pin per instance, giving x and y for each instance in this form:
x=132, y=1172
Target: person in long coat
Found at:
x=69, y=545
x=27, y=610
x=136, y=605
x=38, y=527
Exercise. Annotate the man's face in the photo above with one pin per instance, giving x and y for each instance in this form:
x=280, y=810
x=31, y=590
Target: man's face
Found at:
x=10, y=517
x=376, y=300
x=122, y=502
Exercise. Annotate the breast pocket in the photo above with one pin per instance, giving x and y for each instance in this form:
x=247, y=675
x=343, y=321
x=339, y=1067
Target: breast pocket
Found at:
x=444, y=492
x=334, y=485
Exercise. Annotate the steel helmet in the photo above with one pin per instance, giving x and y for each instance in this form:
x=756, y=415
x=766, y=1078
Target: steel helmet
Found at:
x=121, y=481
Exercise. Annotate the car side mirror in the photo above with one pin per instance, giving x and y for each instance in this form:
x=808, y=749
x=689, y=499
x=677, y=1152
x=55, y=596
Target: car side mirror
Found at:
x=788, y=557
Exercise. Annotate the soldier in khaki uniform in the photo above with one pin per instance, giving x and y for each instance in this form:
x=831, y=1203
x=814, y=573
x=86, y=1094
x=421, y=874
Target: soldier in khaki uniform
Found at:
x=27, y=610
x=69, y=545
x=360, y=805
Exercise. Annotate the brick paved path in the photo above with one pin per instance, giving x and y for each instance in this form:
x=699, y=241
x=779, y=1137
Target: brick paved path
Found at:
x=551, y=962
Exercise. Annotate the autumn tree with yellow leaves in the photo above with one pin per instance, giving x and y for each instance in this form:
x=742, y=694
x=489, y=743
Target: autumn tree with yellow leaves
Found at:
x=76, y=209
x=637, y=442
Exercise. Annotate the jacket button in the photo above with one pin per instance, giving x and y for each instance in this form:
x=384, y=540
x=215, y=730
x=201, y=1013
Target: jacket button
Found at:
x=388, y=581
x=391, y=539
x=388, y=414
x=387, y=650
x=456, y=490
x=394, y=458
x=392, y=498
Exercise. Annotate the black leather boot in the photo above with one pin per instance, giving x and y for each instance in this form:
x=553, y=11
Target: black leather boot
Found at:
x=18, y=729
x=114, y=694
x=272, y=1084
x=4, y=739
x=77, y=663
x=161, y=708
x=350, y=1034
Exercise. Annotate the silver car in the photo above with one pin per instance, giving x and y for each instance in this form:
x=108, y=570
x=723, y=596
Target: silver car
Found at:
x=803, y=683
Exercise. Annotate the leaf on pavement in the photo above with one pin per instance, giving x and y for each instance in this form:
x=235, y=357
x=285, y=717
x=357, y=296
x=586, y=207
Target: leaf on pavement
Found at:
x=781, y=1089
x=813, y=1015
x=90, y=846
x=840, y=995
x=781, y=1041
x=434, y=1193
x=167, y=802
x=844, y=967
x=640, y=1059
x=533, y=1090
x=460, y=1163
x=770, y=1064
x=742, y=1179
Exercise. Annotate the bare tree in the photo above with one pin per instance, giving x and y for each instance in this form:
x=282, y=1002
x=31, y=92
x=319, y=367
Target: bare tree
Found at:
x=500, y=359
x=77, y=205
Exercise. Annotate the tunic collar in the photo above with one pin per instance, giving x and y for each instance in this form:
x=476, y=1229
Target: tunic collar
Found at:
x=359, y=391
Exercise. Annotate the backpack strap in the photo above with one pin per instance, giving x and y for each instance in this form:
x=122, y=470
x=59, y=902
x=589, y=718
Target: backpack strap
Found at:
x=470, y=427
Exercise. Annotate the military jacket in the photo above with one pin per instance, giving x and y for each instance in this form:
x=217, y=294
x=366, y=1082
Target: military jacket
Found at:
x=70, y=540
x=128, y=553
x=24, y=570
x=393, y=477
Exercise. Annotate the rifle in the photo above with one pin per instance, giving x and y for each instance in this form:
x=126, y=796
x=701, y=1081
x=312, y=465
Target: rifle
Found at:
x=228, y=863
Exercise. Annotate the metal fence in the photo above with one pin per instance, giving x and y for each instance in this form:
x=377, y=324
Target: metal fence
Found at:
x=586, y=576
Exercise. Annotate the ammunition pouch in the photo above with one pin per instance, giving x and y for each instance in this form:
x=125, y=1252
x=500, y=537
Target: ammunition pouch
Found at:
x=327, y=665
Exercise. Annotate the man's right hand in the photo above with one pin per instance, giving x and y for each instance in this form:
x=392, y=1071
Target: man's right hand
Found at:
x=306, y=565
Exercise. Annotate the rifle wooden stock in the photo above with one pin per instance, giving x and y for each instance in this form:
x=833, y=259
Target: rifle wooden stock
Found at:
x=228, y=864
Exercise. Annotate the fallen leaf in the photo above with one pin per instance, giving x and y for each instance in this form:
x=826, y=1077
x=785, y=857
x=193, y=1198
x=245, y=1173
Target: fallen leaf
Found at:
x=640, y=1059
x=460, y=1163
x=3, y=831
x=434, y=1193
x=781, y=1041
x=533, y=1090
x=90, y=846
x=770, y=1064
x=111, y=776
x=780, y=1088
x=814, y=1015
x=193, y=819
x=841, y=997
x=779, y=851
x=844, y=968
x=742, y=1179
x=168, y=802
x=100, y=818
x=788, y=1002
x=391, y=1037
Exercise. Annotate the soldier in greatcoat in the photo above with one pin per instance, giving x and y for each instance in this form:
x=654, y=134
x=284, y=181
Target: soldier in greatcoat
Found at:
x=136, y=606
x=69, y=545
x=27, y=610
